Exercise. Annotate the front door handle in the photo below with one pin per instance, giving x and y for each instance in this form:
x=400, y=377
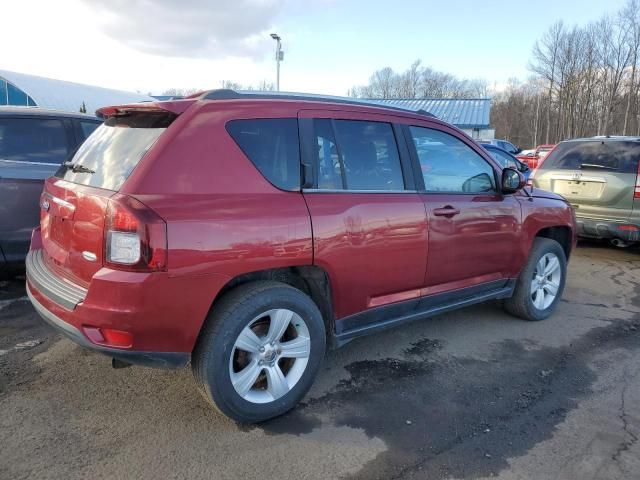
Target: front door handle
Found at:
x=447, y=211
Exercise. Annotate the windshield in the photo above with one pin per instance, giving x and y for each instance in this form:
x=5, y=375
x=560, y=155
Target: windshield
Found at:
x=617, y=156
x=112, y=151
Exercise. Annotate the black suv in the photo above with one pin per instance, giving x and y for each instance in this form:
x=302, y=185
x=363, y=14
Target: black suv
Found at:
x=33, y=144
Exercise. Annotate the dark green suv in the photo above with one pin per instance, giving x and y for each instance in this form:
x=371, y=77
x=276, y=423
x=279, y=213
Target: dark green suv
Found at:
x=600, y=177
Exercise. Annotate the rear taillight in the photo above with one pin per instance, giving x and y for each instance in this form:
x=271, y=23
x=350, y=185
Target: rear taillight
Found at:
x=135, y=236
x=636, y=192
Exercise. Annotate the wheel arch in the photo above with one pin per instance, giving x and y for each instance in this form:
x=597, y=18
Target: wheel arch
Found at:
x=561, y=234
x=310, y=279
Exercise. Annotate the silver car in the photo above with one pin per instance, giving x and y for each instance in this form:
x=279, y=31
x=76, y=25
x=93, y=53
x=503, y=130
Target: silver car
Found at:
x=600, y=176
x=33, y=144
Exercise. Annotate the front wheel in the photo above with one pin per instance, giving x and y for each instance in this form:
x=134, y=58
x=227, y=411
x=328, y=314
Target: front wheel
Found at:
x=541, y=283
x=260, y=351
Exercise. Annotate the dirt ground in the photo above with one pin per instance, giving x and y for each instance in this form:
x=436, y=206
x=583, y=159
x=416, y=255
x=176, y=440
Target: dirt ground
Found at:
x=469, y=394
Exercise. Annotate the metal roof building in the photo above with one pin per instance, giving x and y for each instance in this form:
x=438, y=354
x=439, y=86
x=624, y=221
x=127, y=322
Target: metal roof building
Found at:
x=470, y=115
x=25, y=90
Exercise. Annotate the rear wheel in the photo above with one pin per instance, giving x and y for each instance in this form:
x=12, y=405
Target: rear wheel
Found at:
x=260, y=351
x=541, y=282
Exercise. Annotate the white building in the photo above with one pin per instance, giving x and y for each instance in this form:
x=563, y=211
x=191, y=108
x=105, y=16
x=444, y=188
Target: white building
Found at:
x=31, y=91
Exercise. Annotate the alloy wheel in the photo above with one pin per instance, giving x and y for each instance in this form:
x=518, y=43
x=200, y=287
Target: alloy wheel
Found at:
x=546, y=281
x=270, y=356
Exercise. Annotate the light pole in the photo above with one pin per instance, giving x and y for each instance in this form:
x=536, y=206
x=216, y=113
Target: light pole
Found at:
x=279, y=58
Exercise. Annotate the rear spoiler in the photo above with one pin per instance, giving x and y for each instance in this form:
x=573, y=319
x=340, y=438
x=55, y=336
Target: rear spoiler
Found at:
x=173, y=106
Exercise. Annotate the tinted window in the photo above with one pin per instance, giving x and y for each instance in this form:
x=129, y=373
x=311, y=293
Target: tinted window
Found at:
x=272, y=146
x=329, y=166
x=33, y=140
x=612, y=156
x=87, y=128
x=450, y=165
x=369, y=155
x=115, y=148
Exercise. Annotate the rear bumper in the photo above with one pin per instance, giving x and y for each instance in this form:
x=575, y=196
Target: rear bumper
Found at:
x=162, y=314
x=147, y=359
x=596, y=228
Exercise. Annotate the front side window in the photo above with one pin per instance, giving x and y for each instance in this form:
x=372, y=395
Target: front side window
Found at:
x=273, y=147
x=33, y=140
x=449, y=165
x=504, y=159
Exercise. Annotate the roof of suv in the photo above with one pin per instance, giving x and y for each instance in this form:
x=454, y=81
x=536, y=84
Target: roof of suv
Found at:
x=37, y=111
x=605, y=138
x=227, y=94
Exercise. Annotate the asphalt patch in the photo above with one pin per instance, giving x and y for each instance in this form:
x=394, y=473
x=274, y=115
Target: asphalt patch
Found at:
x=444, y=417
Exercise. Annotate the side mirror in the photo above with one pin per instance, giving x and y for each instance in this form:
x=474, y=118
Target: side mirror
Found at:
x=518, y=150
x=512, y=181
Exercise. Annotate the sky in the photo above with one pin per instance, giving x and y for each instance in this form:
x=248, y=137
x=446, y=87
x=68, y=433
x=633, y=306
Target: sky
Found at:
x=329, y=45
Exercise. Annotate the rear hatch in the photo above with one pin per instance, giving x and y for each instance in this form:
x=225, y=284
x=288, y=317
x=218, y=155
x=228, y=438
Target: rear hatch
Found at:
x=597, y=176
x=76, y=200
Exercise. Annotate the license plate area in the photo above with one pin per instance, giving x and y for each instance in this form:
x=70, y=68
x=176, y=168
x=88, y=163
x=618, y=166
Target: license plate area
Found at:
x=578, y=189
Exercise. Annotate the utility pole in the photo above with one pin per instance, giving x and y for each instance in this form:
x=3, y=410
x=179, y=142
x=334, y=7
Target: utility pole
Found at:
x=279, y=58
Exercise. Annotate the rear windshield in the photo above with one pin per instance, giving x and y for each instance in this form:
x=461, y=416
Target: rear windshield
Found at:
x=112, y=151
x=605, y=156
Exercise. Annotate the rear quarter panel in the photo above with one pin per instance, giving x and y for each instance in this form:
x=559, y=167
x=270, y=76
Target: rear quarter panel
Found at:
x=223, y=217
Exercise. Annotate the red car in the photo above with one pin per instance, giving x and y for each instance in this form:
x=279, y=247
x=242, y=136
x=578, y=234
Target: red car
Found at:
x=537, y=156
x=246, y=232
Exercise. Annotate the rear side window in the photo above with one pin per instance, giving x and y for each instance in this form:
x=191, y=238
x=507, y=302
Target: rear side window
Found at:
x=112, y=151
x=273, y=147
x=38, y=140
x=607, y=156
x=357, y=155
x=369, y=155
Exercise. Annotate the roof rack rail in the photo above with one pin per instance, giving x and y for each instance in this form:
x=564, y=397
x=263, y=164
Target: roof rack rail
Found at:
x=228, y=94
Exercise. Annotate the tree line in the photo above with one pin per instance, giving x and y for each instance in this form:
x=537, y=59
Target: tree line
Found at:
x=585, y=81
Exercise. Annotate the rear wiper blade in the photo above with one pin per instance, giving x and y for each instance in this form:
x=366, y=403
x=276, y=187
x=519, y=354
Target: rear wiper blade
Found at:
x=593, y=165
x=75, y=168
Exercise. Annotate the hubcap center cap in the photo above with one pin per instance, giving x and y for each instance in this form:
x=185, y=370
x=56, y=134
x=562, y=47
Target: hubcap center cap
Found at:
x=269, y=355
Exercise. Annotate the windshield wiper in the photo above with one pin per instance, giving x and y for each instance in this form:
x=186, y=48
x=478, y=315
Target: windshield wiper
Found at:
x=75, y=168
x=593, y=165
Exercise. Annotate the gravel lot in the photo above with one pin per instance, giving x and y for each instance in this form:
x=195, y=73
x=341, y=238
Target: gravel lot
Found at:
x=469, y=394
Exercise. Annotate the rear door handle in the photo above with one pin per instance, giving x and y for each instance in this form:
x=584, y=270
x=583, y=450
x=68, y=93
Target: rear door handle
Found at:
x=447, y=211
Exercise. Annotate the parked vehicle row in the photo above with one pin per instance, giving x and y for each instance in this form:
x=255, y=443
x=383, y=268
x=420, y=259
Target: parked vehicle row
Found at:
x=535, y=157
x=33, y=144
x=245, y=233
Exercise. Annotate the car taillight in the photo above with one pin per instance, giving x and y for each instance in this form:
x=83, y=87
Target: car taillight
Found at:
x=636, y=192
x=135, y=236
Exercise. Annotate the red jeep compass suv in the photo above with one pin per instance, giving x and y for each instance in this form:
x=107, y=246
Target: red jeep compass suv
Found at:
x=245, y=232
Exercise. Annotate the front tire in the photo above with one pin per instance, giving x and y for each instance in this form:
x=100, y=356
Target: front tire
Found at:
x=260, y=350
x=541, y=283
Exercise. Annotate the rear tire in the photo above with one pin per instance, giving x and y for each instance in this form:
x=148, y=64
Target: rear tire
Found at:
x=541, y=283
x=260, y=350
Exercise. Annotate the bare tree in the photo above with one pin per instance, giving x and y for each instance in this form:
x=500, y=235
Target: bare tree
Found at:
x=545, y=56
x=630, y=14
x=419, y=82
